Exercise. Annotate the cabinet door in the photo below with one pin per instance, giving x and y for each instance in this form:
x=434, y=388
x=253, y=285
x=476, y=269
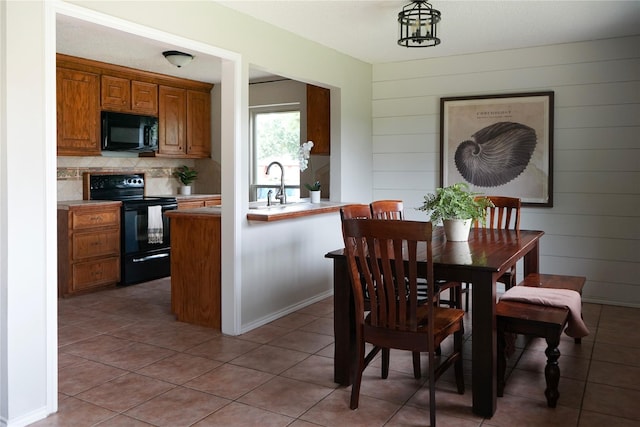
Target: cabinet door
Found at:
x=115, y=93
x=319, y=119
x=198, y=124
x=171, y=121
x=144, y=97
x=78, y=110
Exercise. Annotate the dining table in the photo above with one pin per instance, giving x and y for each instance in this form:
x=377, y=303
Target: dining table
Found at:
x=480, y=261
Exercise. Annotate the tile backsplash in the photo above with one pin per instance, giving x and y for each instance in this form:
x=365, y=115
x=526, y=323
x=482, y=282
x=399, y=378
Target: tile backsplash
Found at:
x=158, y=173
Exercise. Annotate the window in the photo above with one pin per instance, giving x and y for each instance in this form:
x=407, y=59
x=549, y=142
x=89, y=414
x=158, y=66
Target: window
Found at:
x=275, y=136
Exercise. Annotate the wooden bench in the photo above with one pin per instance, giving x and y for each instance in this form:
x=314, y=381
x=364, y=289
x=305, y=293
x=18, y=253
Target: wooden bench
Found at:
x=536, y=320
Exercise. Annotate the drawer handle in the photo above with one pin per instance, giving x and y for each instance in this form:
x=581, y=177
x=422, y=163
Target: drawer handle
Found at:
x=96, y=219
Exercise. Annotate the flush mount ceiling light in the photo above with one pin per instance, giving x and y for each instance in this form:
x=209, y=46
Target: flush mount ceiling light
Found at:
x=179, y=59
x=418, y=25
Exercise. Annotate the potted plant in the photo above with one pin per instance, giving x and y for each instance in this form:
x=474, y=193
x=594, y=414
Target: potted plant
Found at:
x=186, y=176
x=457, y=207
x=314, y=191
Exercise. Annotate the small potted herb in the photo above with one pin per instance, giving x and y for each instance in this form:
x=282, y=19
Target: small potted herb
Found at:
x=314, y=191
x=457, y=207
x=186, y=176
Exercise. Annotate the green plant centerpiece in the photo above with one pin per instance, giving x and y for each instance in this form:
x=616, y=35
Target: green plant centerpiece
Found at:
x=186, y=176
x=455, y=204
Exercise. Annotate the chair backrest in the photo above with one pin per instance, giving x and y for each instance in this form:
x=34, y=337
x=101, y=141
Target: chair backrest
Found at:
x=387, y=209
x=396, y=247
x=355, y=211
x=505, y=215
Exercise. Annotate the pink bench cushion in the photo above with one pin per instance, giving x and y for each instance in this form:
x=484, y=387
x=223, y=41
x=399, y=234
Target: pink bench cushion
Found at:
x=554, y=298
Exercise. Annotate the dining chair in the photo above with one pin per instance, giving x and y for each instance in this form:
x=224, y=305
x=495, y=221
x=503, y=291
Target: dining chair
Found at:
x=503, y=215
x=394, y=209
x=382, y=256
x=387, y=209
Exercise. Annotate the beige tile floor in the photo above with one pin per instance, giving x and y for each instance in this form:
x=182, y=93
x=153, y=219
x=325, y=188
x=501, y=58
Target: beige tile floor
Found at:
x=125, y=361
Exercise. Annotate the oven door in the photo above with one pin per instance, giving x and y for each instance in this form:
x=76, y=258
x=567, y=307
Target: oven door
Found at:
x=136, y=236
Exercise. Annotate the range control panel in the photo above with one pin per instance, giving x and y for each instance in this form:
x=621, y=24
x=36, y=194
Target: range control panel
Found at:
x=112, y=186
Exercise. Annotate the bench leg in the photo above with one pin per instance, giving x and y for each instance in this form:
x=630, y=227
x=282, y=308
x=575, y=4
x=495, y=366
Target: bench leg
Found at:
x=552, y=371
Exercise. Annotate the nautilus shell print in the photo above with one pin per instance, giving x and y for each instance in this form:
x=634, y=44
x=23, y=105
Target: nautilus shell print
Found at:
x=496, y=154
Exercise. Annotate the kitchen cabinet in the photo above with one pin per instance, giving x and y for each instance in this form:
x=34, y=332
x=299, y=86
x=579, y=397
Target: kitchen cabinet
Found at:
x=86, y=87
x=198, y=123
x=184, y=123
x=198, y=201
x=196, y=278
x=319, y=119
x=88, y=246
x=172, y=121
x=128, y=96
x=78, y=112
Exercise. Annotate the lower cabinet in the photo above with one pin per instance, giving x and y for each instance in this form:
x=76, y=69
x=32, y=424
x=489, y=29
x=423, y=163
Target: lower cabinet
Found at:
x=195, y=268
x=88, y=246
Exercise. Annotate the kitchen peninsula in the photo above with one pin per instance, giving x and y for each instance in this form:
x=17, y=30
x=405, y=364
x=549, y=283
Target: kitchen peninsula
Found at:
x=196, y=255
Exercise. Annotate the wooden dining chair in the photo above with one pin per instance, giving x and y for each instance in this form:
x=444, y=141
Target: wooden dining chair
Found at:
x=383, y=257
x=387, y=209
x=503, y=215
x=394, y=209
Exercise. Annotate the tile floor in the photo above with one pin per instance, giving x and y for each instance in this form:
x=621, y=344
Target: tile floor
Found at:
x=125, y=361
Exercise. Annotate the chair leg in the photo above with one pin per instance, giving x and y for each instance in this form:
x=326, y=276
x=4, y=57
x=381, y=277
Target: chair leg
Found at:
x=385, y=362
x=466, y=297
x=502, y=360
x=416, y=365
x=458, y=369
x=357, y=376
x=552, y=371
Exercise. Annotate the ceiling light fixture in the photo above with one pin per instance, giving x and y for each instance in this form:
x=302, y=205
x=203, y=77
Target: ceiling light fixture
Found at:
x=179, y=59
x=418, y=25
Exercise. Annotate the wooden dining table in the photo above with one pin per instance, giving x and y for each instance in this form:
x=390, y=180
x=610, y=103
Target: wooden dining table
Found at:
x=480, y=261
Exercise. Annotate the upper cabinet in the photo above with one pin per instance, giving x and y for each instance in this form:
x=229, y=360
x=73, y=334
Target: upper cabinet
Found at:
x=86, y=87
x=128, y=96
x=184, y=123
x=78, y=112
x=319, y=119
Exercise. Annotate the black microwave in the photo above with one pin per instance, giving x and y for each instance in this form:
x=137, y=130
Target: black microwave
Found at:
x=129, y=132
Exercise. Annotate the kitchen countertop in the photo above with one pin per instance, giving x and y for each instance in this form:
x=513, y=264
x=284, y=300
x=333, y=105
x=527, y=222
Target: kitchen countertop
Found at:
x=259, y=212
x=189, y=196
x=66, y=204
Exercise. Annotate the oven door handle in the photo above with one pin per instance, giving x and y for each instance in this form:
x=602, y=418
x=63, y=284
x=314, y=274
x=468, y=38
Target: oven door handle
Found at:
x=150, y=257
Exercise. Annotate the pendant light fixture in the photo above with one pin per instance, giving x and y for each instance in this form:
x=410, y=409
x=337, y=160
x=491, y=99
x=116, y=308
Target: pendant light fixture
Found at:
x=177, y=58
x=418, y=25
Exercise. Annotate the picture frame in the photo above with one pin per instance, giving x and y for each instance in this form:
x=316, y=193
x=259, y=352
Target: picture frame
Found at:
x=499, y=145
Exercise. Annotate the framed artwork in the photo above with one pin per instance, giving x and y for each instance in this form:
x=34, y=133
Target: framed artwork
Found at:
x=499, y=145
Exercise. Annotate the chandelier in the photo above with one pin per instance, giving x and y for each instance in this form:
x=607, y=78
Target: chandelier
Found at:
x=418, y=25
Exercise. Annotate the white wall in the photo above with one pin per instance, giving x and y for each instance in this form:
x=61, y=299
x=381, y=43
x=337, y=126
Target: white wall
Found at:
x=593, y=228
x=28, y=346
x=28, y=340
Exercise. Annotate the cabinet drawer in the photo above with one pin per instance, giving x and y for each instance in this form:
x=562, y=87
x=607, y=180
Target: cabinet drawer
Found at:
x=91, y=274
x=88, y=245
x=192, y=204
x=89, y=219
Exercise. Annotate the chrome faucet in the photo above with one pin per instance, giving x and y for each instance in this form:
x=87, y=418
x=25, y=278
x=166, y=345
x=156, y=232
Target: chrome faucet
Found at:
x=280, y=195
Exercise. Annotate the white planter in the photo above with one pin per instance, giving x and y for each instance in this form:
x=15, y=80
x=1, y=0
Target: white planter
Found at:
x=314, y=196
x=185, y=190
x=457, y=230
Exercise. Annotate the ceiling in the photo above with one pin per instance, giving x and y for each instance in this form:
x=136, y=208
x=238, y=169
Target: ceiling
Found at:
x=367, y=30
